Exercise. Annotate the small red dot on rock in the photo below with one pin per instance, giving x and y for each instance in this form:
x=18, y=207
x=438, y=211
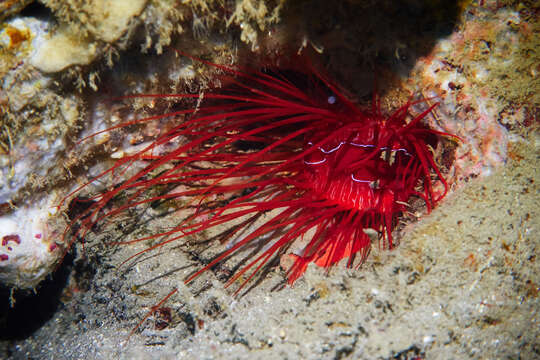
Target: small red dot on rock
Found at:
x=7, y=238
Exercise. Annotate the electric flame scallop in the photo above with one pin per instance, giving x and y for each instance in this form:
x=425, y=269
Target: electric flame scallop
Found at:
x=292, y=155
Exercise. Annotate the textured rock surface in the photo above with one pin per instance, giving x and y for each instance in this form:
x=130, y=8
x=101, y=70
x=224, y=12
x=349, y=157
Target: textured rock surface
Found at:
x=468, y=73
x=28, y=251
x=463, y=282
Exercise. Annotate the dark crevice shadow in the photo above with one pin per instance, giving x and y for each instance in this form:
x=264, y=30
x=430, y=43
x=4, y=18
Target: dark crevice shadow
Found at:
x=356, y=41
x=36, y=10
x=32, y=310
